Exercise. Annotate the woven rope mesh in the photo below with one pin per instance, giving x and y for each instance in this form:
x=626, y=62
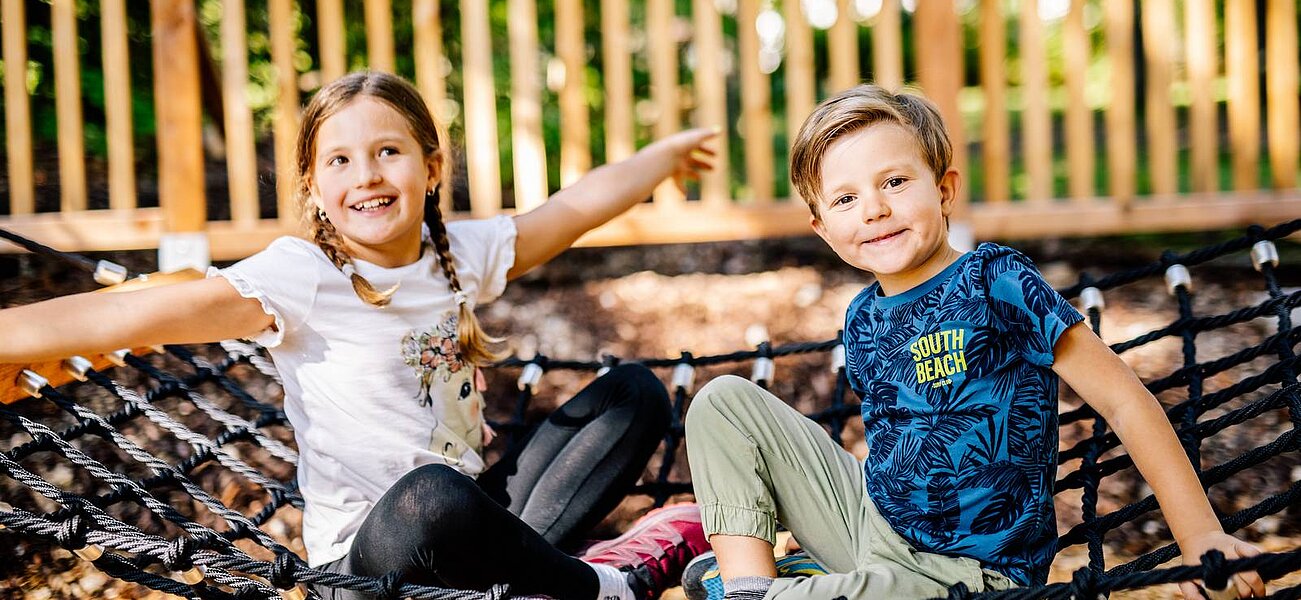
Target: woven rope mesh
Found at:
x=179, y=466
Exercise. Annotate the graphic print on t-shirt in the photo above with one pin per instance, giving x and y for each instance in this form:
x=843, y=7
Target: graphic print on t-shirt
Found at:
x=447, y=386
x=939, y=356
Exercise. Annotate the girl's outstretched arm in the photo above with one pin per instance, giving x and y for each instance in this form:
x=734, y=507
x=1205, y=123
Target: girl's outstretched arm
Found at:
x=205, y=310
x=603, y=194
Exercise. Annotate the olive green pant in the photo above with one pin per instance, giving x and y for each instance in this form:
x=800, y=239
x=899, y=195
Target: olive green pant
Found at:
x=756, y=462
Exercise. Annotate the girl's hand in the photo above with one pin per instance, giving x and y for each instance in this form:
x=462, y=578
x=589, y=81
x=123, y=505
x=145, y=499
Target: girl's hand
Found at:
x=688, y=153
x=1241, y=585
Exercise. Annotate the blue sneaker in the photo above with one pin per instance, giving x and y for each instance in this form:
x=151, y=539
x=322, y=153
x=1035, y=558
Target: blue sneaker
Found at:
x=701, y=580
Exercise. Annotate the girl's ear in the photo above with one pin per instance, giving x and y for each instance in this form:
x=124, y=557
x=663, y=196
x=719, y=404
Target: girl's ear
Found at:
x=949, y=185
x=434, y=165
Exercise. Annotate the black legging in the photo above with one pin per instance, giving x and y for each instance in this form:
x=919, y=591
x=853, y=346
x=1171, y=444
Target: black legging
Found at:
x=439, y=527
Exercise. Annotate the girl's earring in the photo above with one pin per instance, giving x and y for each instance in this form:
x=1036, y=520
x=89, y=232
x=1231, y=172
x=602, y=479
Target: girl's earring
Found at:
x=320, y=215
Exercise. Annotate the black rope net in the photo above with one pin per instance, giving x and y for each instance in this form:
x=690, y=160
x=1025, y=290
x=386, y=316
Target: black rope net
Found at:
x=145, y=469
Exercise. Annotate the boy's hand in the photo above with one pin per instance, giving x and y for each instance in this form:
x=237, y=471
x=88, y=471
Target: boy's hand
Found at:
x=1241, y=585
x=690, y=156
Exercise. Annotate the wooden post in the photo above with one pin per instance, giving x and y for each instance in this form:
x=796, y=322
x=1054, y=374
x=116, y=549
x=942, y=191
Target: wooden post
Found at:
x=285, y=130
x=18, y=113
x=842, y=42
x=1203, y=118
x=333, y=39
x=530, y=157
x=575, y=131
x=1281, y=92
x=617, y=75
x=1036, y=121
x=1121, y=122
x=67, y=99
x=379, y=34
x=431, y=75
x=938, y=40
x=1079, y=115
x=887, y=46
x=664, y=84
x=756, y=106
x=481, y=153
x=1159, y=48
x=117, y=106
x=180, y=132
x=1240, y=63
x=711, y=100
x=801, y=89
x=241, y=150
x=995, y=143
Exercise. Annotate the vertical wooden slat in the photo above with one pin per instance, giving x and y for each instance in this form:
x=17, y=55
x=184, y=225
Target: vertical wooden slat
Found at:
x=179, y=118
x=285, y=130
x=241, y=153
x=1281, y=91
x=1036, y=122
x=887, y=46
x=711, y=98
x=1158, y=19
x=1079, y=115
x=1241, y=58
x=67, y=99
x=664, y=83
x=996, y=145
x=530, y=158
x=842, y=42
x=117, y=105
x=938, y=40
x=480, y=111
x=332, y=38
x=427, y=23
x=1203, y=118
x=756, y=105
x=575, y=130
x=617, y=75
x=801, y=89
x=1121, y=124
x=18, y=112
x=379, y=34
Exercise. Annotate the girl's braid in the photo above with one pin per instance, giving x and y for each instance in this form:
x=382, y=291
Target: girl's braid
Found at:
x=327, y=238
x=474, y=341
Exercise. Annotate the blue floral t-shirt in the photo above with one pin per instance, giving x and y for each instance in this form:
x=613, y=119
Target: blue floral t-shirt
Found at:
x=960, y=409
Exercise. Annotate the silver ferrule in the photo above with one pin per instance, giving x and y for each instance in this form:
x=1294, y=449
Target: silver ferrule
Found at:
x=684, y=375
x=1091, y=298
x=530, y=377
x=1263, y=252
x=76, y=367
x=1176, y=276
x=31, y=382
x=837, y=358
x=109, y=273
x=117, y=357
x=763, y=370
x=90, y=552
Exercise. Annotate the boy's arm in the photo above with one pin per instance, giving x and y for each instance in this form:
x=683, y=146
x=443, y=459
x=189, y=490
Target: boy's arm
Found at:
x=604, y=193
x=1108, y=385
x=196, y=311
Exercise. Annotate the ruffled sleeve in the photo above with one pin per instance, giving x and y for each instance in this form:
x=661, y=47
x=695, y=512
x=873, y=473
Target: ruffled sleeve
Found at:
x=283, y=278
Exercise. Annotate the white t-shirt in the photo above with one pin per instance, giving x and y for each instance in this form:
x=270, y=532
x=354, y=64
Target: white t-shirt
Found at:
x=372, y=392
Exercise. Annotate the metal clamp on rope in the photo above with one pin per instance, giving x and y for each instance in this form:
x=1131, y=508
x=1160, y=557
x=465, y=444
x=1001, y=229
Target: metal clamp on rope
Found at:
x=1263, y=252
x=90, y=552
x=76, y=367
x=118, y=357
x=684, y=375
x=1091, y=298
x=194, y=575
x=837, y=358
x=109, y=273
x=293, y=593
x=31, y=382
x=1177, y=275
x=530, y=377
x=763, y=370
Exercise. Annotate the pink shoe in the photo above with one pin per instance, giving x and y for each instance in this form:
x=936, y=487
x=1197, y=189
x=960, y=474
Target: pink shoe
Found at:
x=655, y=550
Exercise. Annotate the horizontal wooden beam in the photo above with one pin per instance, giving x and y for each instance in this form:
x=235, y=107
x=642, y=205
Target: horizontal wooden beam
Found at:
x=98, y=230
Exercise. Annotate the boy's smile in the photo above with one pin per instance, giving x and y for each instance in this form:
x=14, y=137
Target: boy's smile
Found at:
x=881, y=208
x=370, y=177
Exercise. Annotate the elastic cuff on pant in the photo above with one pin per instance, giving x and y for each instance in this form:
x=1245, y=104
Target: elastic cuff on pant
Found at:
x=722, y=519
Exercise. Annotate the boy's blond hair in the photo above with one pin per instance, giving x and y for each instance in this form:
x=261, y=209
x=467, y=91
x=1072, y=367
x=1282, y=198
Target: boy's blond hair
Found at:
x=854, y=109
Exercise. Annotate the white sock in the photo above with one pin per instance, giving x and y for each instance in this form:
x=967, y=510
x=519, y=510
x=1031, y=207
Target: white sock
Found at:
x=613, y=583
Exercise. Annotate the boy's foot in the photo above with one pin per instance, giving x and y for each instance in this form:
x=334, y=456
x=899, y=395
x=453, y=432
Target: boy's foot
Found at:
x=701, y=579
x=655, y=550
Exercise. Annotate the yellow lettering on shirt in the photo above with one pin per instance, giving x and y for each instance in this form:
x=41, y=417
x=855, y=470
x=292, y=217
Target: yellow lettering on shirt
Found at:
x=939, y=356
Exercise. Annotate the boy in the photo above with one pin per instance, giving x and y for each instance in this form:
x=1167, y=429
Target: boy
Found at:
x=957, y=358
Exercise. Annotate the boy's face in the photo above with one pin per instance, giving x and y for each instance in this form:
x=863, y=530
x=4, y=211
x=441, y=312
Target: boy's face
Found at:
x=881, y=209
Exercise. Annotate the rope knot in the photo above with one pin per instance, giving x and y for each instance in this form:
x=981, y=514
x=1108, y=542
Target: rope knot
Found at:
x=1214, y=573
x=72, y=531
x=283, y=571
x=1084, y=584
x=178, y=554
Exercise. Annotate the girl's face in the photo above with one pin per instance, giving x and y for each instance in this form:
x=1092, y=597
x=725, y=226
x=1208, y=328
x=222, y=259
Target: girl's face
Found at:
x=370, y=177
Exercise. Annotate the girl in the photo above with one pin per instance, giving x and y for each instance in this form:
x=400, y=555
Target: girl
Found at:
x=371, y=325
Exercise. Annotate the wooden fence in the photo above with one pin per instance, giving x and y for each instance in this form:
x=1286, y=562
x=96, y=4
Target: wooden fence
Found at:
x=1041, y=162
